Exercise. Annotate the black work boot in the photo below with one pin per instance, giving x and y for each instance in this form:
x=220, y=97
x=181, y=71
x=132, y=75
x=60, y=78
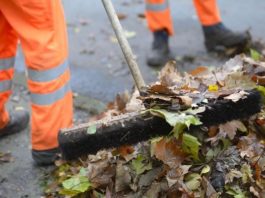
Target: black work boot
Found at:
x=18, y=121
x=218, y=38
x=46, y=157
x=160, y=52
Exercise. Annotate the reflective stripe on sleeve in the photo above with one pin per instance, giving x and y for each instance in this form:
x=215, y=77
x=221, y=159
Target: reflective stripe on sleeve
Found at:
x=47, y=75
x=5, y=85
x=50, y=98
x=7, y=63
x=157, y=6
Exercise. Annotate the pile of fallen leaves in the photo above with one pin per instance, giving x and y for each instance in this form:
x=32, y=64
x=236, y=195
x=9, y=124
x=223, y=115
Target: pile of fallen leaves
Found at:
x=227, y=160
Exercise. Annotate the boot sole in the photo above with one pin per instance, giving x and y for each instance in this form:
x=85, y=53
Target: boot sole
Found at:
x=227, y=51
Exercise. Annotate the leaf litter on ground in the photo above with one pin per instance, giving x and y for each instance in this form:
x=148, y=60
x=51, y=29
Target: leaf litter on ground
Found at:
x=227, y=160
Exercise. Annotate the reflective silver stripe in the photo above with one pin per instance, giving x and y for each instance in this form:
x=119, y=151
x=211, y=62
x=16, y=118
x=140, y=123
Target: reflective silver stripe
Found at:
x=157, y=6
x=7, y=63
x=50, y=98
x=5, y=85
x=47, y=75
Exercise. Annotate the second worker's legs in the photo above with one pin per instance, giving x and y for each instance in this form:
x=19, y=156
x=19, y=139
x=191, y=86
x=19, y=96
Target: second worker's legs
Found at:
x=160, y=23
x=218, y=37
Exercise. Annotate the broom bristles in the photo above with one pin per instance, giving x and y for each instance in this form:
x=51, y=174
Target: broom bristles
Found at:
x=81, y=143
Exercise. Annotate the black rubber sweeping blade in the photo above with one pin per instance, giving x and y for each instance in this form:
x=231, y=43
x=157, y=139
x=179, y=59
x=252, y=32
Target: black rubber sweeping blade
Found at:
x=135, y=128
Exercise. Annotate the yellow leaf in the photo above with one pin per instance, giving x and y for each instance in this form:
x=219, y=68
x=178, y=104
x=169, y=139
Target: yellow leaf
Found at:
x=212, y=88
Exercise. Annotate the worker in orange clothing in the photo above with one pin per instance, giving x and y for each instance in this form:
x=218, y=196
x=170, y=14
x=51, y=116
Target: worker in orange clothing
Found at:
x=41, y=29
x=217, y=36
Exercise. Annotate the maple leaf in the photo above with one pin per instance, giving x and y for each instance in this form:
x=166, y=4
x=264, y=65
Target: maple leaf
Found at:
x=230, y=128
x=170, y=152
x=177, y=174
x=169, y=76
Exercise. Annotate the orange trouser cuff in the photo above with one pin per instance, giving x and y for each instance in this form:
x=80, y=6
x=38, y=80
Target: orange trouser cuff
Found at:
x=158, y=16
x=53, y=118
x=4, y=118
x=207, y=11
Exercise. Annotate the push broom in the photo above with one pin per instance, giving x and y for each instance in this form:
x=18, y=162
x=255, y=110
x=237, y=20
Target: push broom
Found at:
x=131, y=128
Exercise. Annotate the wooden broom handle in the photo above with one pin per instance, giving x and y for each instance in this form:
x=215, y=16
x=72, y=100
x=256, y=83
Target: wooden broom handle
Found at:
x=124, y=44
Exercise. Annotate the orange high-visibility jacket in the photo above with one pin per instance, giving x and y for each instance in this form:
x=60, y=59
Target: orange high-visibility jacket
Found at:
x=158, y=14
x=40, y=27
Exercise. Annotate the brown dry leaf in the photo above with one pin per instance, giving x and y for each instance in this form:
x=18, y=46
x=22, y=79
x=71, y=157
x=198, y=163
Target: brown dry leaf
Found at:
x=238, y=80
x=250, y=146
x=259, y=80
x=169, y=76
x=170, y=152
x=123, y=179
x=261, y=162
x=177, y=175
x=141, y=15
x=212, y=131
x=121, y=100
x=100, y=173
x=219, y=76
x=257, y=171
x=221, y=134
x=147, y=178
x=201, y=70
x=100, y=170
x=258, y=66
x=254, y=192
x=121, y=16
x=6, y=157
x=134, y=103
x=156, y=188
x=210, y=191
x=230, y=128
x=101, y=155
x=237, y=96
x=185, y=100
x=229, y=177
x=160, y=88
x=233, y=64
x=126, y=152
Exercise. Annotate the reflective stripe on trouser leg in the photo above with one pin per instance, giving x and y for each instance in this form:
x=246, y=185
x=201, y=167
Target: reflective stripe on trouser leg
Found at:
x=8, y=46
x=51, y=99
x=207, y=11
x=158, y=15
x=6, y=76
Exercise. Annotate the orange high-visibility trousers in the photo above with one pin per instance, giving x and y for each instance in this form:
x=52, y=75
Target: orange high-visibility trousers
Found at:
x=41, y=29
x=158, y=14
